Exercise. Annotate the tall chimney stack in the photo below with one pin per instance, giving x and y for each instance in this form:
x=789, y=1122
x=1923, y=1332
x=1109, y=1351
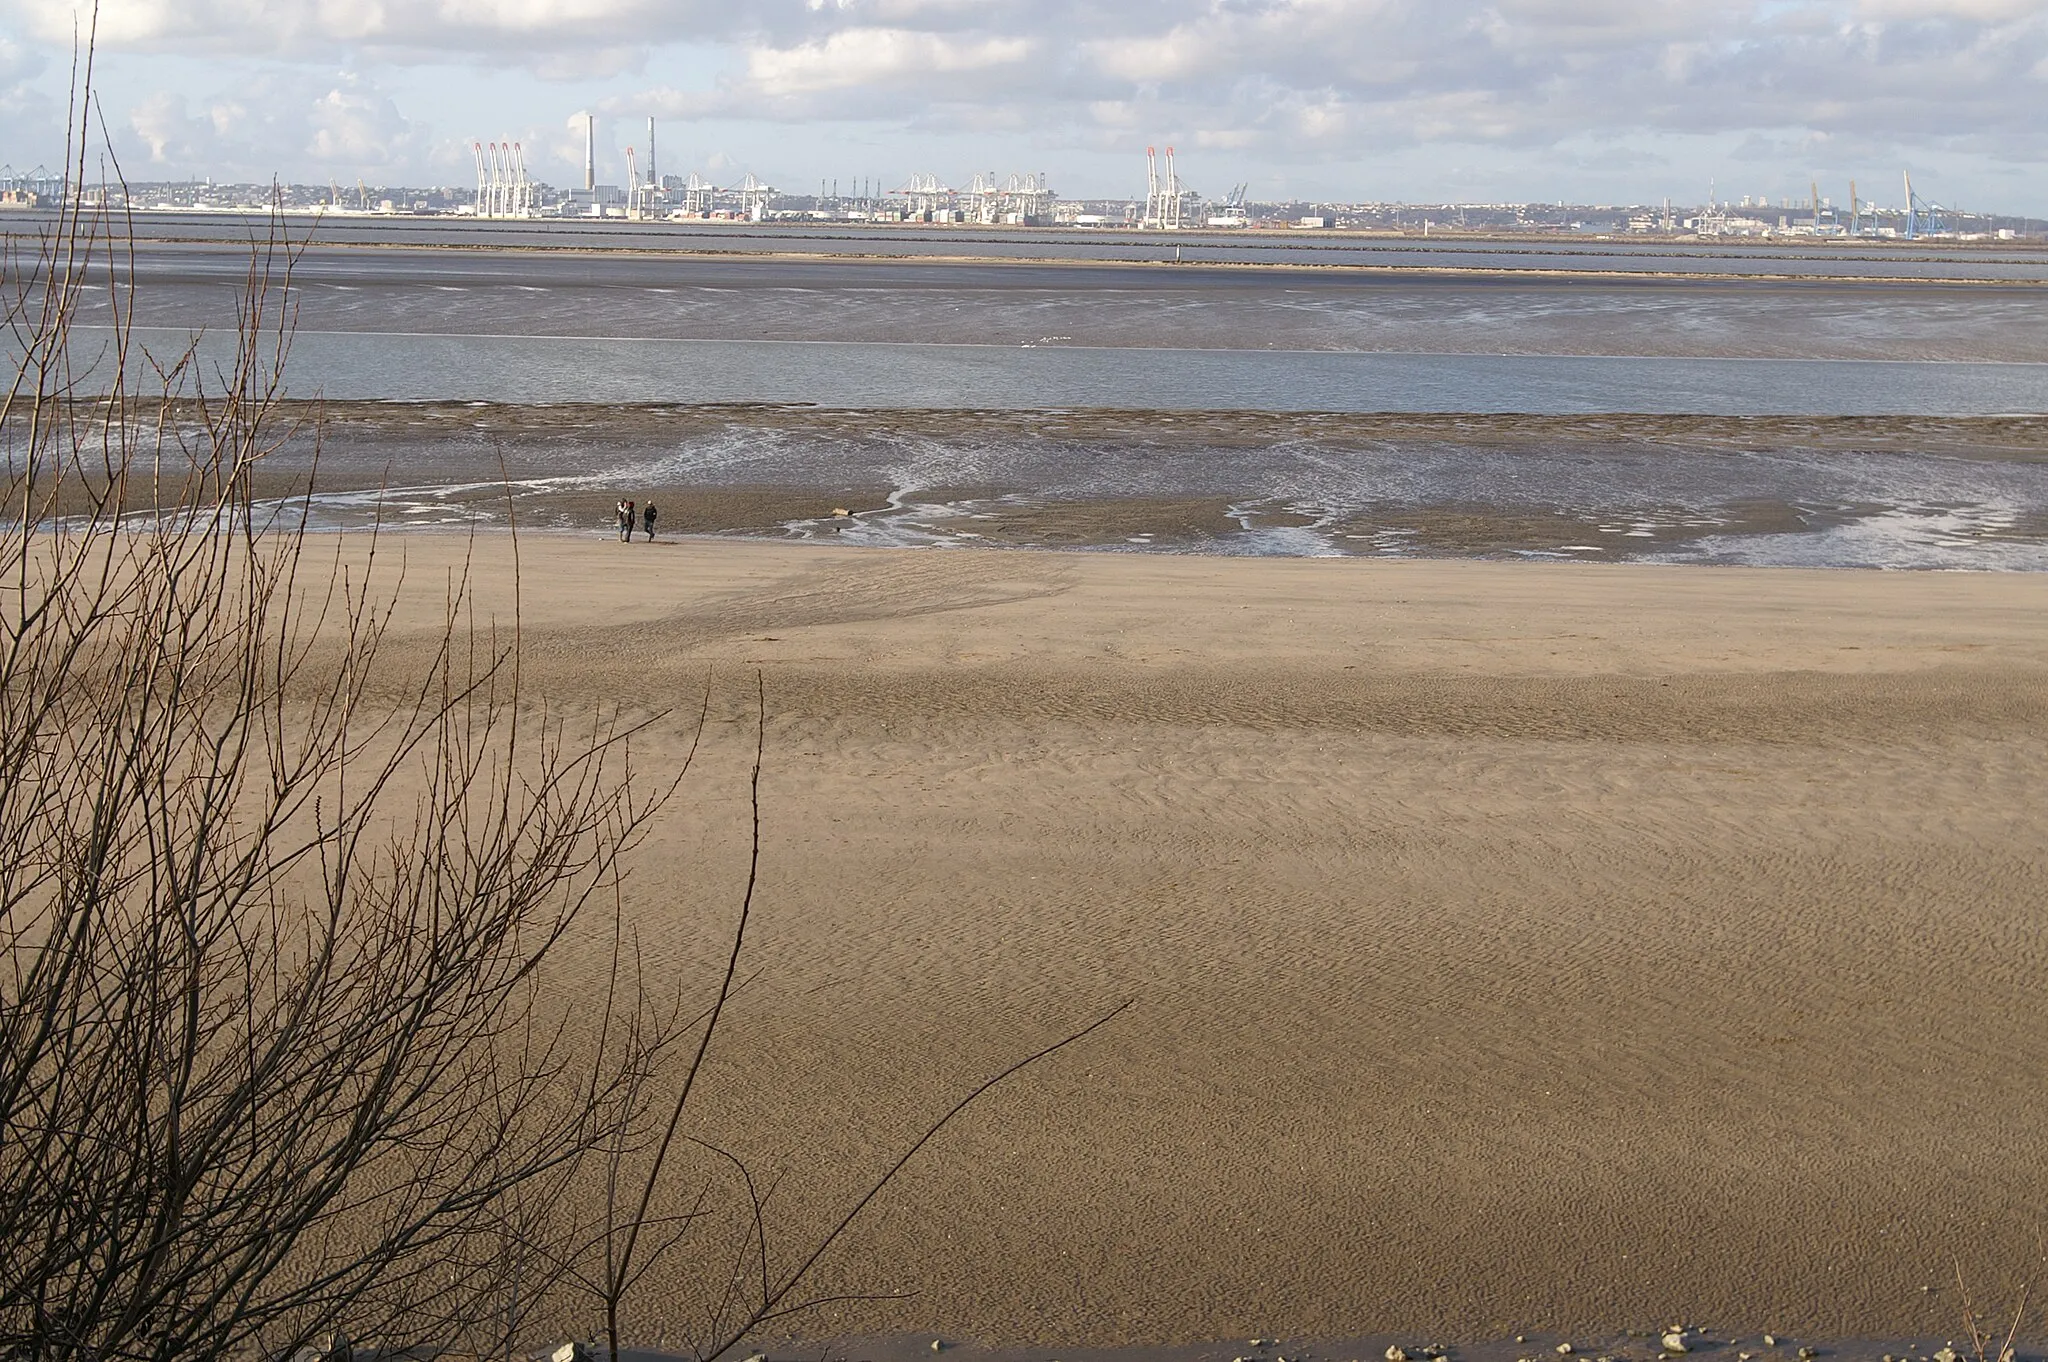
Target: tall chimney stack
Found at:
x=653, y=171
x=590, y=152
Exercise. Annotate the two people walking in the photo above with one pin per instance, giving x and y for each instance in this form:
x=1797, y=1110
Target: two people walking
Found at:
x=646, y=516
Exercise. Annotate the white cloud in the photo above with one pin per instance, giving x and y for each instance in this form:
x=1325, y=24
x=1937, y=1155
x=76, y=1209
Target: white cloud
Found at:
x=269, y=129
x=420, y=28
x=1278, y=81
x=353, y=124
x=1978, y=11
x=869, y=56
x=20, y=67
x=1362, y=73
x=169, y=132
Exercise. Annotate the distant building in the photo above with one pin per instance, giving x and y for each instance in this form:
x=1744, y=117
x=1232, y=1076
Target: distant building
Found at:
x=594, y=202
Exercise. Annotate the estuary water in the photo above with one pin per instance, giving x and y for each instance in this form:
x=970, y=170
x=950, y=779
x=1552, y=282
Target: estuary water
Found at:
x=414, y=367
x=1549, y=253
x=1852, y=407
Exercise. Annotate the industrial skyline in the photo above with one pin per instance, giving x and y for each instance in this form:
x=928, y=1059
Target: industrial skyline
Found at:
x=505, y=191
x=505, y=186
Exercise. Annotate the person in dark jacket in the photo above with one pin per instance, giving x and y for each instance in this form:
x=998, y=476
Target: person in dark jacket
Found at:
x=647, y=514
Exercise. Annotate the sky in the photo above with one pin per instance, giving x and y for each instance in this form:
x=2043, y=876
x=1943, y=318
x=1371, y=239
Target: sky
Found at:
x=1586, y=101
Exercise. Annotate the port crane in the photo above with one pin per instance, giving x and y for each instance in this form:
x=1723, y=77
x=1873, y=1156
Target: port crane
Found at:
x=1922, y=217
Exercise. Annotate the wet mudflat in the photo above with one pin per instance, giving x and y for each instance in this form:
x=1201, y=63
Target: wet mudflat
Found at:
x=1843, y=492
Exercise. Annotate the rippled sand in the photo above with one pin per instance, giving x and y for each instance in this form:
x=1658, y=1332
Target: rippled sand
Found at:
x=1511, y=947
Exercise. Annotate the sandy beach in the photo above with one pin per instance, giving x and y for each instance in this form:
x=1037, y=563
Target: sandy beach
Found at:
x=1510, y=947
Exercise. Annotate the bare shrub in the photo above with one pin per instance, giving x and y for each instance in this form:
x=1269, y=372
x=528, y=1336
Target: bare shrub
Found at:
x=273, y=1058
x=1985, y=1343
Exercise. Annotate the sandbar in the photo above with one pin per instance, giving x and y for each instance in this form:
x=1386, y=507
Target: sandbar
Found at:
x=1510, y=947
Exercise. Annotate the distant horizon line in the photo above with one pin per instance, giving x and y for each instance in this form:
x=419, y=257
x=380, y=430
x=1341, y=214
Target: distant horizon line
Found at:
x=1865, y=206
x=12, y=178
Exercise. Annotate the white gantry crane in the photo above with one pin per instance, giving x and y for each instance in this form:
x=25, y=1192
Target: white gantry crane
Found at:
x=924, y=195
x=698, y=194
x=522, y=184
x=486, y=179
x=983, y=198
x=1028, y=197
x=502, y=187
x=755, y=196
x=1013, y=199
x=1166, y=198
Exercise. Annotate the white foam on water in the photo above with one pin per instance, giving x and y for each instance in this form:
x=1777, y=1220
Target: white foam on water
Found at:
x=1954, y=538
x=900, y=524
x=476, y=503
x=725, y=454
x=1313, y=540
